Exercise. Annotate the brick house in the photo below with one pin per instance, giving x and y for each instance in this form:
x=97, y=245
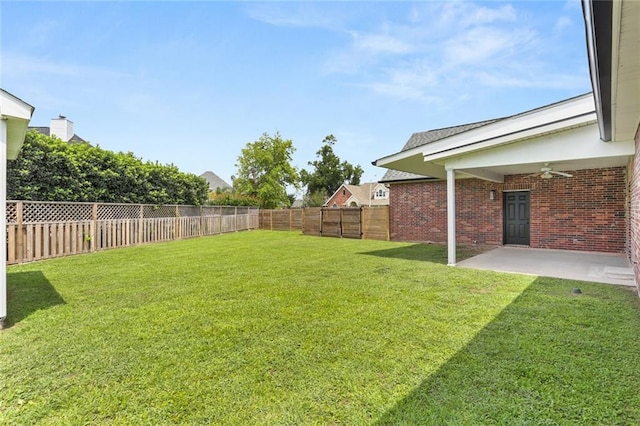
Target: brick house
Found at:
x=367, y=194
x=563, y=176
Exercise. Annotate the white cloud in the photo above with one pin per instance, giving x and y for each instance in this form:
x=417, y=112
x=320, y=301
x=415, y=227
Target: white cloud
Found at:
x=562, y=23
x=483, y=44
x=463, y=15
x=380, y=43
x=439, y=47
x=485, y=15
x=22, y=65
x=292, y=15
x=410, y=82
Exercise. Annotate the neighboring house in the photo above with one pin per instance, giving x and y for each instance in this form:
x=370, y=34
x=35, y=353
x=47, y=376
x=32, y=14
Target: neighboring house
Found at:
x=62, y=128
x=563, y=176
x=215, y=182
x=367, y=194
x=15, y=115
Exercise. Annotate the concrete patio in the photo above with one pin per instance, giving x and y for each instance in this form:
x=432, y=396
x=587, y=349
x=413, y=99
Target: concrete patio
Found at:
x=583, y=266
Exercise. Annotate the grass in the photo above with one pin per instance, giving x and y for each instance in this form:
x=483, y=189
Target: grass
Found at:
x=279, y=328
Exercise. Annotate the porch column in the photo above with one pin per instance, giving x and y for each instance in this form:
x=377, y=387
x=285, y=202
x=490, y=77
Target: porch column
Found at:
x=3, y=220
x=451, y=217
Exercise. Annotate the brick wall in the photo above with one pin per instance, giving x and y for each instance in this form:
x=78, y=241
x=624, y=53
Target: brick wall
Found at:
x=340, y=198
x=585, y=212
x=633, y=245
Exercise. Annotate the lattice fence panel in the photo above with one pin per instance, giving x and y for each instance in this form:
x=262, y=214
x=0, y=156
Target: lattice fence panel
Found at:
x=39, y=212
x=211, y=211
x=188, y=211
x=228, y=211
x=118, y=211
x=12, y=212
x=154, y=212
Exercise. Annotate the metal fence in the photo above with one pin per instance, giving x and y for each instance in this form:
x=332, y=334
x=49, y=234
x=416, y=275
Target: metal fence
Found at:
x=40, y=230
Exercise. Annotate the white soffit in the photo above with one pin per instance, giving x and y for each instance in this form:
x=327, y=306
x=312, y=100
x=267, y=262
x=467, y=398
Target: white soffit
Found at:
x=17, y=114
x=625, y=102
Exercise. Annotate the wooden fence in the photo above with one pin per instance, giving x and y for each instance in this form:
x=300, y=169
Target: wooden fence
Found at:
x=363, y=222
x=40, y=230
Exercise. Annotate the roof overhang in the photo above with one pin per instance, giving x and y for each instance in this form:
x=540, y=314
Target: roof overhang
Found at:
x=432, y=159
x=17, y=114
x=613, y=43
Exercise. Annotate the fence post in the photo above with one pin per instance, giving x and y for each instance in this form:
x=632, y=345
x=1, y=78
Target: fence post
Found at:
x=176, y=231
x=19, y=232
x=235, y=218
x=141, y=224
x=220, y=215
x=200, y=233
x=94, y=226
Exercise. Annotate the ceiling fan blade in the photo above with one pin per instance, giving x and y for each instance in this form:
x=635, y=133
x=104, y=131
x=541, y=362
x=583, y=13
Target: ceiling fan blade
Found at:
x=562, y=173
x=534, y=174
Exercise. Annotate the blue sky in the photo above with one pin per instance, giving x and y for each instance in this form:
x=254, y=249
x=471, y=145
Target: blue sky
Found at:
x=190, y=83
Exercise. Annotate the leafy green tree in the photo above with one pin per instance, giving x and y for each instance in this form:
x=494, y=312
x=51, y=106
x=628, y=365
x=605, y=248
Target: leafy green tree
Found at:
x=231, y=199
x=265, y=170
x=316, y=199
x=49, y=169
x=328, y=172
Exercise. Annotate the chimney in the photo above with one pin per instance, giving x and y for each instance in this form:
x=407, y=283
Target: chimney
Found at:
x=62, y=128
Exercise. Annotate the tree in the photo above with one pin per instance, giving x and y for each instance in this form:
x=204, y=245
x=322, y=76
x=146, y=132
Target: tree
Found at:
x=227, y=198
x=265, y=170
x=328, y=172
x=49, y=169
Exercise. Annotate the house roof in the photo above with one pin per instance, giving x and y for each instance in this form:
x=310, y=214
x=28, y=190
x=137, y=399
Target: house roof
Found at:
x=424, y=138
x=429, y=154
x=400, y=176
x=430, y=136
x=613, y=42
x=47, y=132
x=363, y=194
x=214, y=181
x=17, y=114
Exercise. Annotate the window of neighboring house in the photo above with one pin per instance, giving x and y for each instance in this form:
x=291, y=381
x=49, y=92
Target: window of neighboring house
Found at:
x=335, y=206
x=344, y=192
x=381, y=193
x=353, y=204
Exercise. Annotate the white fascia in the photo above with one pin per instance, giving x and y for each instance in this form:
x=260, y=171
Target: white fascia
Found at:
x=573, y=113
x=582, y=143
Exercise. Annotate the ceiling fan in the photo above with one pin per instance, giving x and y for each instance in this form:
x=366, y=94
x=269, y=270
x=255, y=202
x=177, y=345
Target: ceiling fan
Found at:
x=546, y=172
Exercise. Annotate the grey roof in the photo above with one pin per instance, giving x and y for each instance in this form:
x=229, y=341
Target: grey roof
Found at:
x=214, y=181
x=47, y=132
x=396, y=176
x=425, y=138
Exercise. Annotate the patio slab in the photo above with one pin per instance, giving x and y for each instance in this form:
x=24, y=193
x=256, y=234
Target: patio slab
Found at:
x=584, y=266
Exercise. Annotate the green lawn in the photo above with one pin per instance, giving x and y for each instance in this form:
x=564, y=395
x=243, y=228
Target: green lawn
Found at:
x=278, y=328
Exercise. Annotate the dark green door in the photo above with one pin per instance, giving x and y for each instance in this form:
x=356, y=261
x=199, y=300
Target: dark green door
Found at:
x=516, y=218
